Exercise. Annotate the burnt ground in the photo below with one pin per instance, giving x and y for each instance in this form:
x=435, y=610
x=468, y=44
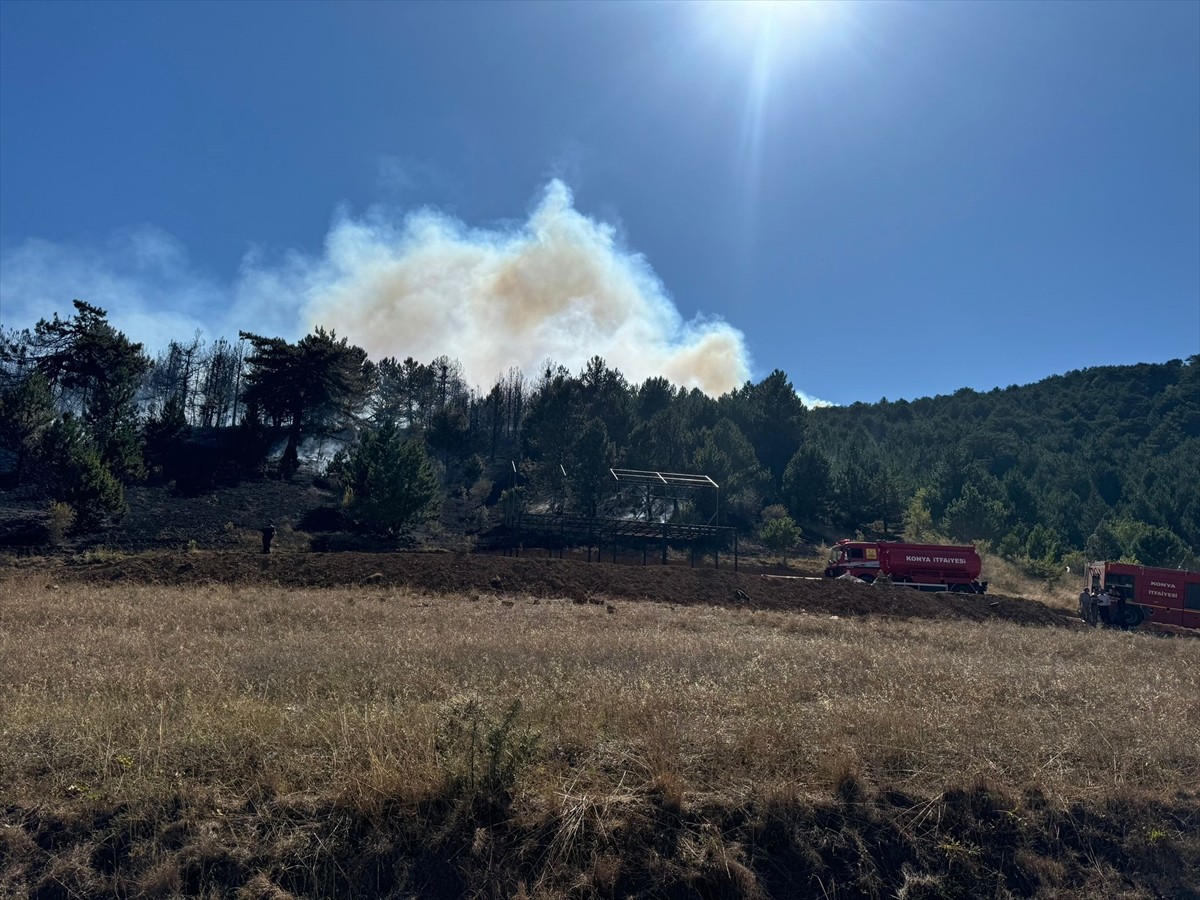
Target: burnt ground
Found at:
x=577, y=580
x=224, y=517
x=858, y=842
x=172, y=537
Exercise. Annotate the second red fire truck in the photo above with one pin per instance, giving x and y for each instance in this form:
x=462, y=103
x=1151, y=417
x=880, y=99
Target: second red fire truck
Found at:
x=1146, y=594
x=931, y=567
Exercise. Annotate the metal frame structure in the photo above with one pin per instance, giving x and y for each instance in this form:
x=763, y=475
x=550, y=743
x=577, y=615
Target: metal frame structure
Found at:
x=557, y=532
x=674, y=486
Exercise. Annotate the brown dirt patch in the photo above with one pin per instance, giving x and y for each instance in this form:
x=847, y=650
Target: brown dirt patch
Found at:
x=567, y=578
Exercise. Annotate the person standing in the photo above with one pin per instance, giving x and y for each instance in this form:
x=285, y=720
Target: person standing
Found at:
x=268, y=535
x=1104, y=602
x=1117, y=610
x=1085, y=606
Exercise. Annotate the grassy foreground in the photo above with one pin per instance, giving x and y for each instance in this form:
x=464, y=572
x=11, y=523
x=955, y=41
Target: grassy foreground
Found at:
x=255, y=742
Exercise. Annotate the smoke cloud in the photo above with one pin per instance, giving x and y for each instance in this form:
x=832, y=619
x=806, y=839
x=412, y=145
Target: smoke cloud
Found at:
x=559, y=287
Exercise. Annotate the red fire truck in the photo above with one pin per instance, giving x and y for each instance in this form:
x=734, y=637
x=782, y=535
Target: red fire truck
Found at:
x=930, y=567
x=1166, y=596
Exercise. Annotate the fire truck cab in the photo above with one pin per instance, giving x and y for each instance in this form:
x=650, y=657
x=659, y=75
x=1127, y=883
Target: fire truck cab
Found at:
x=1165, y=596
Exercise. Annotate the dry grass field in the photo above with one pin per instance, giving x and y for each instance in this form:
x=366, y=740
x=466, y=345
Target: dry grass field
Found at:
x=259, y=741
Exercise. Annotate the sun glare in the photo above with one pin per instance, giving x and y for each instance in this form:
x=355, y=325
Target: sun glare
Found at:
x=768, y=43
x=754, y=22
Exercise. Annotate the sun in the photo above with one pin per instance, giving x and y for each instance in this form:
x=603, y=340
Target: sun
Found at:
x=772, y=45
x=753, y=23
x=767, y=38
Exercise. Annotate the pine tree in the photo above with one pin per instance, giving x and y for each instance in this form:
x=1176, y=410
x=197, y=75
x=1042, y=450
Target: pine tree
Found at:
x=807, y=483
x=313, y=387
x=390, y=481
x=26, y=411
x=592, y=455
x=780, y=535
x=95, y=371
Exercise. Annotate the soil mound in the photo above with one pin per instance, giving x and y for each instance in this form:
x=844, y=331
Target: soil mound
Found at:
x=564, y=578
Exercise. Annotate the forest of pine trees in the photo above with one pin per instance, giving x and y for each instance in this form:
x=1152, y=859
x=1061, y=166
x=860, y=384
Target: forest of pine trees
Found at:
x=1101, y=462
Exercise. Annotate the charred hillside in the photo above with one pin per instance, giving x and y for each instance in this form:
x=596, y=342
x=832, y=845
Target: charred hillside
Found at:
x=101, y=441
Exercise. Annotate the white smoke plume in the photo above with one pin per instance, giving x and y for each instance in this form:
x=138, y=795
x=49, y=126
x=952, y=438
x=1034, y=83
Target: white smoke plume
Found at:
x=558, y=288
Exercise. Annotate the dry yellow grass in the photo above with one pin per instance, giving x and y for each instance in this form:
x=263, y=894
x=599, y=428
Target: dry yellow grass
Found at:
x=1006, y=577
x=128, y=691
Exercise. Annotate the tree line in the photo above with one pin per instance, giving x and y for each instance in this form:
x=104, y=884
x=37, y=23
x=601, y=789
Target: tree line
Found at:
x=1099, y=462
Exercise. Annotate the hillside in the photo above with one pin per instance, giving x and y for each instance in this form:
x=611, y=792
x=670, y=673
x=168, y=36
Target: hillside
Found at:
x=1098, y=463
x=1102, y=459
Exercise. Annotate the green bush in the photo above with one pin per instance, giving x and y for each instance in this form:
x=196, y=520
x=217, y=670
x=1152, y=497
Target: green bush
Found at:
x=61, y=519
x=389, y=482
x=482, y=753
x=780, y=535
x=93, y=490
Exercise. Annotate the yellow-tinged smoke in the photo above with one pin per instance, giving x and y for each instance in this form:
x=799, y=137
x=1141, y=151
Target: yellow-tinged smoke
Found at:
x=559, y=288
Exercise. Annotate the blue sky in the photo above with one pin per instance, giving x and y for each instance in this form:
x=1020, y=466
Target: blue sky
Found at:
x=880, y=199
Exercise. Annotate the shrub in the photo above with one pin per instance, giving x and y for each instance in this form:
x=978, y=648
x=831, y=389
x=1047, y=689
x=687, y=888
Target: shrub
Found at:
x=289, y=463
x=389, y=482
x=79, y=476
x=512, y=501
x=62, y=518
x=482, y=753
x=780, y=535
x=773, y=512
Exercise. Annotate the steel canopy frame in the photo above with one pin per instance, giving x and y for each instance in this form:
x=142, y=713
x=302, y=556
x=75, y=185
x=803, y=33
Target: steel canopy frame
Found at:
x=674, y=479
x=675, y=485
x=557, y=531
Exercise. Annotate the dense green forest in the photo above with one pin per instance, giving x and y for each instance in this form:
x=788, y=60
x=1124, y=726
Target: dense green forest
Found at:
x=1101, y=462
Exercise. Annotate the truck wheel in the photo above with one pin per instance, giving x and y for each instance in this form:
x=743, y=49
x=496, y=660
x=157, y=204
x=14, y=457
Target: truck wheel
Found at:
x=1133, y=616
